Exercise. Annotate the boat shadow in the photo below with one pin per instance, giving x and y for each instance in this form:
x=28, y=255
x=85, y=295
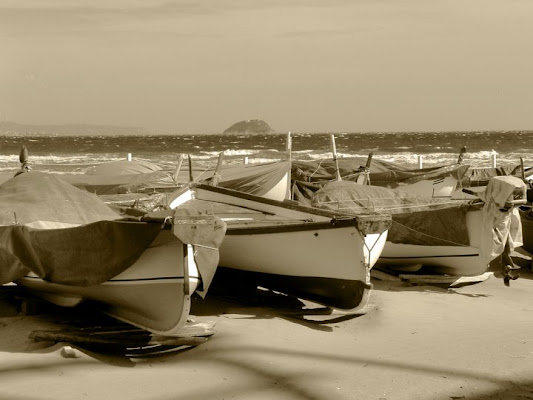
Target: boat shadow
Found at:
x=261, y=303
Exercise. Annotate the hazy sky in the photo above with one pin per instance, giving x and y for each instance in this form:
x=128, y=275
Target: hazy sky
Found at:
x=330, y=66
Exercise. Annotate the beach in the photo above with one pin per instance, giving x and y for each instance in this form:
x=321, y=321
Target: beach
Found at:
x=415, y=341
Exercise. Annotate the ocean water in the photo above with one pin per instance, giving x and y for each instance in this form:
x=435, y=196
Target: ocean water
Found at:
x=76, y=154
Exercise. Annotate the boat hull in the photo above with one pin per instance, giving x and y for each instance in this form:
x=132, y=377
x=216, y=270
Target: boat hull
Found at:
x=325, y=264
x=527, y=233
x=154, y=293
x=453, y=260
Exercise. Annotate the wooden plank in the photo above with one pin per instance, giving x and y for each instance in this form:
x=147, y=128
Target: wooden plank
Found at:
x=451, y=280
x=383, y=276
x=124, y=339
x=472, y=279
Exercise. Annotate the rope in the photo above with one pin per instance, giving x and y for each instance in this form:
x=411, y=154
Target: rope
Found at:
x=204, y=246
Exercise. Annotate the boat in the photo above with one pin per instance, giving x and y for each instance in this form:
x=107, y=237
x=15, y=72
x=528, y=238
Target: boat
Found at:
x=440, y=181
x=67, y=246
x=526, y=215
x=313, y=254
x=270, y=180
x=443, y=237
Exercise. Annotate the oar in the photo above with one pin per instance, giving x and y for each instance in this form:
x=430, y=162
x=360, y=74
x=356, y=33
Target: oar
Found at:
x=334, y=150
x=216, y=174
x=461, y=155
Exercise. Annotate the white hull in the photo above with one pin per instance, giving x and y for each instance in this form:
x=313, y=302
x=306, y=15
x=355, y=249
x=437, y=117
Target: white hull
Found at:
x=294, y=249
x=442, y=187
x=453, y=260
x=153, y=294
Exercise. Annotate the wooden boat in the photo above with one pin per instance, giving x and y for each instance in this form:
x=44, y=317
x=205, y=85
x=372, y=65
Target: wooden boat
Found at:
x=442, y=236
x=313, y=254
x=435, y=182
x=526, y=215
x=269, y=180
x=67, y=246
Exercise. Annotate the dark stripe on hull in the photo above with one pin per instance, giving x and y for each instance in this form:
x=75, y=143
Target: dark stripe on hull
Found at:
x=308, y=226
x=342, y=294
x=381, y=258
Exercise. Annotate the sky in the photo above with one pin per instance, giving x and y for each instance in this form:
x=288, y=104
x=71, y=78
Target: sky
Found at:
x=198, y=66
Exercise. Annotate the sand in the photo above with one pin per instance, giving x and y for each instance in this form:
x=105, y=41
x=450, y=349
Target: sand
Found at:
x=416, y=342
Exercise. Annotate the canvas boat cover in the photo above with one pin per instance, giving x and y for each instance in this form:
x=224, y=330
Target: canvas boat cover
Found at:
x=415, y=220
x=481, y=176
x=381, y=173
x=69, y=236
x=123, y=177
x=501, y=224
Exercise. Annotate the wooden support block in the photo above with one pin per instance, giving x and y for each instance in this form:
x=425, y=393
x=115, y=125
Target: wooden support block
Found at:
x=383, y=276
x=451, y=280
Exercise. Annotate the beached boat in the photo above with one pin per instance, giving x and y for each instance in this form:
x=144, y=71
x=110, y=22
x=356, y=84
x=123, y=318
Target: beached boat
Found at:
x=457, y=238
x=433, y=182
x=66, y=246
x=526, y=215
x=270, y=180
x=313, y=254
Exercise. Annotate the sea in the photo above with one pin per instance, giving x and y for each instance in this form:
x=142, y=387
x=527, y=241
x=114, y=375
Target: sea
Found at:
x=77, y=154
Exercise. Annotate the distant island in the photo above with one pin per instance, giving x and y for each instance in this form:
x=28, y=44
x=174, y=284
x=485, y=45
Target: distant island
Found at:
x=250, y=126
x=13, y=128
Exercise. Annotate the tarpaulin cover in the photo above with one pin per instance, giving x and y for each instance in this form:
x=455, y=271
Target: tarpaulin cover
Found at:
x=123, y=177
x=415, y=220
x=62, y=234
x=256, y=179
x=107, y=184
x=69, y=236
x=501, y=224
x=381, y=173
x=124, y=167
x=205, y=232
x=481, y=176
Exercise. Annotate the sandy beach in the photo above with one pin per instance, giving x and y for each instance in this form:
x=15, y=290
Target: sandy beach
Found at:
x=415, y=342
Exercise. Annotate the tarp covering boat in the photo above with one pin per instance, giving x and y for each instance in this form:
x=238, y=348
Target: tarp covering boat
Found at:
x=134, y=176
x=69, y=236
x=501, y=221
x=381, y=173
x=124, y=167
x=415, y=220
x=481, y=176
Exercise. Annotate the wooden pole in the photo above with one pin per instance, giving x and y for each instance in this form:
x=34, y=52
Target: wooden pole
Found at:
x=175, y=177
x=336, y=162
x=216, y=174
x=23, y=158
x=289, y=155
x=420, y=162
x=461, y=155
x=367, y=168
x=190, y=168
x=493, y=159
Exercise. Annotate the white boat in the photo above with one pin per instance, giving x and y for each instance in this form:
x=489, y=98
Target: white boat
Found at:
x=67, y=246
x=448, y=237
x=313, y=254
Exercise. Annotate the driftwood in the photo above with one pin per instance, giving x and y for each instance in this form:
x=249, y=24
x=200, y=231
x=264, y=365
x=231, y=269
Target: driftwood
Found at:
x=128, y=340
